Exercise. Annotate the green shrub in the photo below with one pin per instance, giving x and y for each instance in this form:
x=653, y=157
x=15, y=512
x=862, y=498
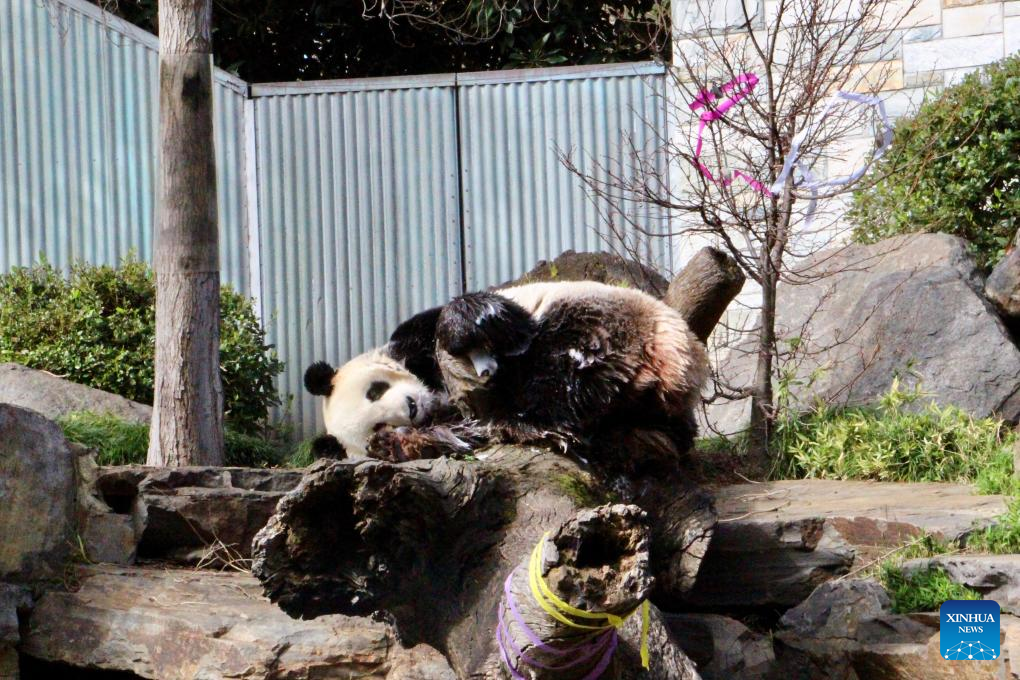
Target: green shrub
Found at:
x=119, y=442
x=922, y=591
x=954, y=167
x=98, y=328
x=887, y=442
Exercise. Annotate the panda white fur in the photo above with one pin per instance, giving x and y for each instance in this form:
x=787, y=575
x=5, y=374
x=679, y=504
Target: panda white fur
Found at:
x=560, y=361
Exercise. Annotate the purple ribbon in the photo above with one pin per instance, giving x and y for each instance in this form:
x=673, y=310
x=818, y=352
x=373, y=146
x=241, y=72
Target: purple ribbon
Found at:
x=582, y=651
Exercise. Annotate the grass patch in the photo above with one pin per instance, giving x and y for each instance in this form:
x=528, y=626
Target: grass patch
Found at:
x=922, y=591
x=301, y=454
x=1002, y=538
x=581, y=490
x=888, y=442
x=115, y=441
x=120, y=442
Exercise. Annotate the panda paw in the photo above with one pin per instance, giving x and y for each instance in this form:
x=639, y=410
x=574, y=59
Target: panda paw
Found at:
x=328, y=446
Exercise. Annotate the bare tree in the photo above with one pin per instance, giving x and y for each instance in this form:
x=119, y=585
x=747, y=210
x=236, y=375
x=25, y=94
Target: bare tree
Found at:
x=748, y=79
x=187, y=419
x=471, y=20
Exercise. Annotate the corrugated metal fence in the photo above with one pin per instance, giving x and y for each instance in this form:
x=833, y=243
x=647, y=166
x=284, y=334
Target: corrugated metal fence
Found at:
x=78, y=139
x=345, y=206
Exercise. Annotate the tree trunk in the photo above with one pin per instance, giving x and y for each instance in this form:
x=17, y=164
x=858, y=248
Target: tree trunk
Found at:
x=704, y=289
x=432, y=542
x=762, y=393
x=187, y=420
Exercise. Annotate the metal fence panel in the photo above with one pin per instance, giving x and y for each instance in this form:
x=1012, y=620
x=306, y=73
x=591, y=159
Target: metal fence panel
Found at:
x=521, y=204
x=344, y=206
x=358, y=207
x=79, y=139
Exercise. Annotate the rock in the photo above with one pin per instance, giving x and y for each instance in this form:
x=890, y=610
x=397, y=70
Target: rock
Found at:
x=37, y=494
x=776, y=541
x=1003, y=287
x=601, y=267
x=996, y=577
x=843, y=631
x=833, y=612
x=910, y=306
x=420, y=662
x=110, y=538
x=187, y=514
x=723, y=649
x=14, y=600
x=165, y=623
x=55, y=397
x=15, y=603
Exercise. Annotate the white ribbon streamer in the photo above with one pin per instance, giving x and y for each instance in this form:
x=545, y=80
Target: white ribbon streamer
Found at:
x=808, y=182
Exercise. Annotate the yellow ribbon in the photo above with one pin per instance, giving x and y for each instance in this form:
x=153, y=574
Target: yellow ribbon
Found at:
x=558, y=609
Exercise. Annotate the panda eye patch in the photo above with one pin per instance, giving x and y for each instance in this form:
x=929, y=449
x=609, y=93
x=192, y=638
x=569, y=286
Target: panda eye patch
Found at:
x=376, y=390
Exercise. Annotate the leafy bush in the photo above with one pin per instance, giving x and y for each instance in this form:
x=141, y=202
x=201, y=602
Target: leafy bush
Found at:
x=954, y=167
x=889, y=443
x=98, y=328
x=119, y=442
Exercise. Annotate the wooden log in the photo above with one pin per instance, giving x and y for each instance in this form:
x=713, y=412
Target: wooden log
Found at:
x=431, y=542
x=703, y=290
x=596, y=562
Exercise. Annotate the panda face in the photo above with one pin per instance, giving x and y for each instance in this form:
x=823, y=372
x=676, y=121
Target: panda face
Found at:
x=369, y=393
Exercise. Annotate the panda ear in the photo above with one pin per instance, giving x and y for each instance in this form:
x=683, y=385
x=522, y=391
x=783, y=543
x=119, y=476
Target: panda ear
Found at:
x=414, y=343
x=319, y=378
x=328, y=446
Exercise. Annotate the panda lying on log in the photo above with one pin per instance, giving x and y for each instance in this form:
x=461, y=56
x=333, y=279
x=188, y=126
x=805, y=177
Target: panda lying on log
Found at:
x=561, y=362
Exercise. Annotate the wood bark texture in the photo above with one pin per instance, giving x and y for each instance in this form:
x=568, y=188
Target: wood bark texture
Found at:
x=187, y=421
x=704, y=288
x=431, y=542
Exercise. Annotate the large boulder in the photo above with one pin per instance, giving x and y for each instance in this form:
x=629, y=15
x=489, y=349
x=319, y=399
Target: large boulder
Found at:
x=37, y=496
x=1003, y=288
x=165, y=623
x=836, y=611
x=910, y=306
x=776, y=542
x=55, y=397
x=600, y=267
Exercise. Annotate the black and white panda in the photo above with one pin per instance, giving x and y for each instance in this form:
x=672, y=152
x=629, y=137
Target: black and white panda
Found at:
x=560, y=361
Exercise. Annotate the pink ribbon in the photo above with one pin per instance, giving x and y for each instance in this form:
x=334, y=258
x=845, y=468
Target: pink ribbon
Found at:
x=736, y=89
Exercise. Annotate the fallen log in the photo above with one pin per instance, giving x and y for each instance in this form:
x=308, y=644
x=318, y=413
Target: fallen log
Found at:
x=431, y=542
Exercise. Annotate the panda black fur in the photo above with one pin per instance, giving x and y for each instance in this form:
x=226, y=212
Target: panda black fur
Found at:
x=546, y=361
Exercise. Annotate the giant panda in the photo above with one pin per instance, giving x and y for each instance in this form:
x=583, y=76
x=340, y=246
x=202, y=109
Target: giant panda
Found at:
x=558, y=361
